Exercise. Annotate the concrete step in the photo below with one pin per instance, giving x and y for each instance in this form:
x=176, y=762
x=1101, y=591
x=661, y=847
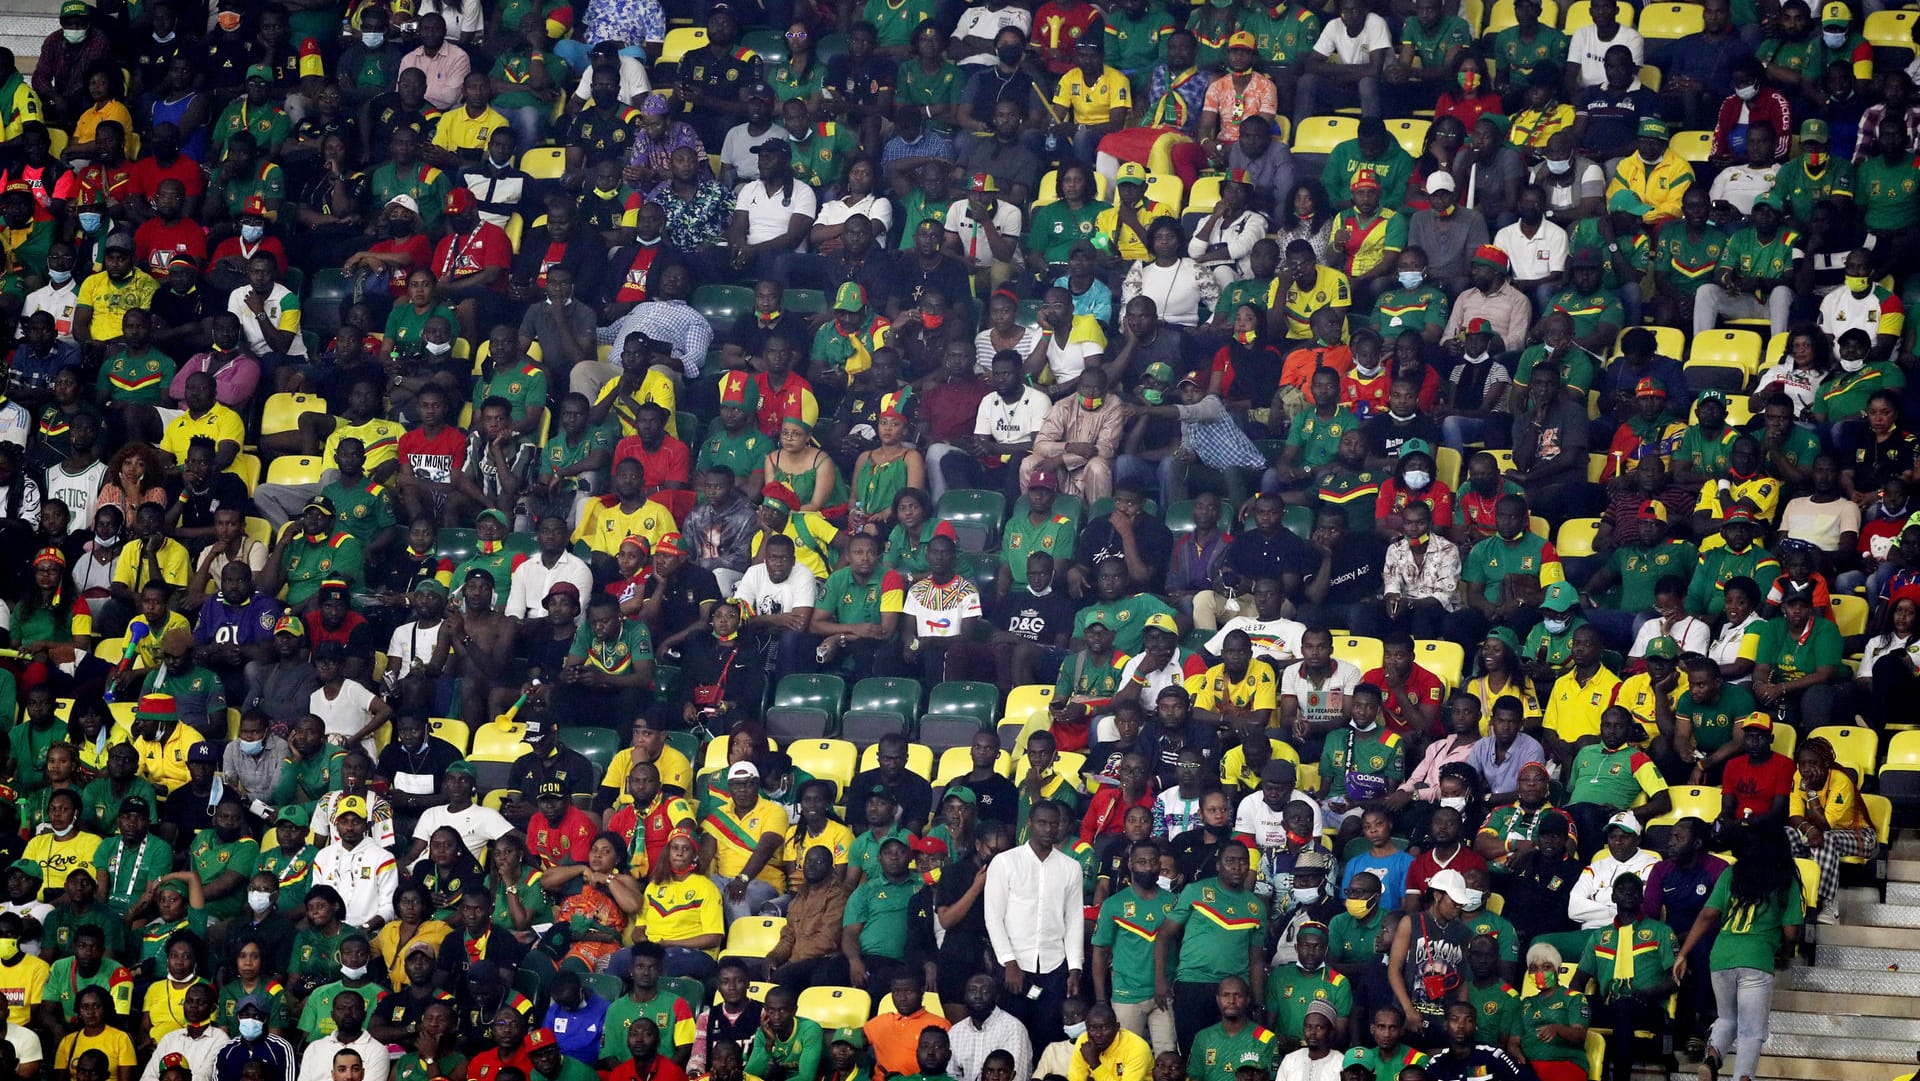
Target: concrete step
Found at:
x=1796, y=1045
x=1829, y=979
x=1875, y=928
x=1903, y=870
x=1864, y=1004
x=1902, y=893
x=1872, y=958
x=1850, y=1026
x=1817, y=1068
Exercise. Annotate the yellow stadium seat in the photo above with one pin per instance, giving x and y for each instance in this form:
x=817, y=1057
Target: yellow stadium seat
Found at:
x=956, y=762
x=1070, y=764
x=682, y=40
x=1854, y=746
x=452, y=730
x=1735, y=346
x=1735, y=372
x=1029, y=704
x=754, y=936
x=835, y=1007
x=1166, y=189
x=496, y=742
x=756, y=990
x=1691, y=801
x=1502, y=459
x=1538, y=527
x=1785, y=739
x=930, y=1002
x=1903, y=750
x=545, y=162
x=1693, y=146
x=1739, y=411
x=1667, y=341
x=1361, y=652
x=1410, y=133
x=1850, y=614
x=1475, y=13
x=496, y=799
x=1050, y=192
x=716, y=756
x=247, y=468
x=1501, y=16
x=919, y=759
x=233, y=723
x=1880, y=813
x=1446, y=467
x=295, y=469
x=283, y=411
x=1577, y=16
x=57, y=138
x=1576, y=537
x=1890, y=28
x=259, y=529
x=1444, y=659
x=1665, y=22
x=828, y=759
x=1596, y=1055
x=1651, y=77
x=516, y=225
x=1205, y=193
x=1320, y=134
x=1596, y=463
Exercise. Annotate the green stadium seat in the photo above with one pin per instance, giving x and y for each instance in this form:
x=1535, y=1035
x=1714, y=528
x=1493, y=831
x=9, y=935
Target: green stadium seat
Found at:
x=940, y=732
x=788, y=724
x=881, y=706
x=723, y=305
x=965, y=698
x=813, y=691
x=325, y=302
x=1180, y=517
x=596, y=745
x=771, y=44
x=1298, y=521
x=977, y=517
x=805, y=301
x=458, y=545
x=605, y=984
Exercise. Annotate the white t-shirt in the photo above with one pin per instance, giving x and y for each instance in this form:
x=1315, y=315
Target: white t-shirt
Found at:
x=1013, y=422
x=26, y=1045
x=1278, y=640
x=1820, y=524
x=1725, y=647
x=1585, y=48
x=58, y=301
x=1841, y=311
x=981, y=21
x=1326, y=701
x=1336, y=42
x=769, y=213
x=1535, y=257
x=1069, y=360
x=1302, y=1066
x=768, y=597
x=411, y=644
x=1262, y=823
x=1799, y=385
x=1740, y=185
x=983, y=349
x=973, y=243
x=277, y=300
x=76, y=490
x=478, y=826
x=939, y=611
x=875, y=208
x=15, y=425
x=346, y=712
x=737, y=150
x=1178, y=814
x=1692, y=635
x=633, y=81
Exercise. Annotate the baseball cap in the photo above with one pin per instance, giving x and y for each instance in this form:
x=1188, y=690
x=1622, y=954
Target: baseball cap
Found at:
x=1243, y=39
x=261, y=72
x=290, y=625
x=202, y=752
x=1453, y=884
x=463, y=767
x=563, y=589
x=1561, y=597
x=460, y=200
x=1159, y=371
x=1653, y=509
x=1649, y=387
x=1663, y=648
x=30, y=868
x=1132, y=172
x=540, y=1039
x=550, y=788
x=1625, y=821
x=120, y=242
x=743, y=771
x=1160, y=621
x=1364, y=178
x=1441, y=182
x=850, y=1036
x=1835, y=13
x=1416, y=446
x=850, y=298
x=136, y=806
x=1815, y=131
x=1759, y=720
x=319, y=503
x=350, y=805
x=1651, y=127
x=404, y=200
x=774, y=146
x=983, y=183
x=1585, y=257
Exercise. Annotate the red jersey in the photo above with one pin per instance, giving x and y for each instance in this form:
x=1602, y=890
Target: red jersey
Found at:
x=1107, y=812
x=466, y=254
x=318, y=633
x=1425, y=688
x=777, y=405
x=1754, y=788
x=48, y=182
x=1057, y=27
x=633, y=281
x=1425, y=866
x=147, y=174
x=434, y=458
x=567, y=842
x=1393, y=499
x=672, y=462
x=646, y=835
x=155, y=243
x=1365, y=396
x=234, y=248
x=419, y=252
x=661, y=1068
x=486, y=1065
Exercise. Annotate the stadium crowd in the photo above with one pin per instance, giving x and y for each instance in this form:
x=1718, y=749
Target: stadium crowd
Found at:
x=754, y=539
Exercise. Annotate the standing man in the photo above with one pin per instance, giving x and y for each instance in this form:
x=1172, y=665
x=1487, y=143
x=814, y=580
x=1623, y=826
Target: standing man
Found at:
x=1035, y=918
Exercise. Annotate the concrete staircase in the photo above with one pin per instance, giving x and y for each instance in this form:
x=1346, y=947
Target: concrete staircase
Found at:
x=1855, y=1016
x=24, y=24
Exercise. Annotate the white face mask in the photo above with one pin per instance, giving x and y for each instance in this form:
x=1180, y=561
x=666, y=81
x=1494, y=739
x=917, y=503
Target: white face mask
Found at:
x=74, y=37
x=1075, y=1030
x=251, y=1028
x=1369, y=372
x=439, y=349
x=373, y=39
x=1559, y=168
x=163, y=39
x=1458, y=803
x=1555, y=626
x=1474, y=899
x=1411, y=278
x=1853, y=365
x=253, y=748
x=59, y=277
x=355, y=972
x=1417, y=479
x=1477, y=358
x=259, y=900
x=252, y=233
x=1746, y=93
x=1833, y=40
x=1305, y=895
x=1164, y=882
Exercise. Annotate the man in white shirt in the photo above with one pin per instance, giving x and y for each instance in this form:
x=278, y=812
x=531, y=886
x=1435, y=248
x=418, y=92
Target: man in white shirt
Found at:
x=1259, y=818
x=477, y=826
x=1036, y=921
x=1536, y=248
x=771, y=216
x=60, y=296
x=363, y=873
x=1275, y=638
x=1587, y=47
x=1003, y=428
x=781, y=594
x=1352, y=51
x=1590, y=904
x=1739, y=185
x=983, y=230
x=738, y=163
x=26, y=1045
x=634, y=83
x=278, y=312
x=199, y=1041
x=551, y=565
x=349, y=1034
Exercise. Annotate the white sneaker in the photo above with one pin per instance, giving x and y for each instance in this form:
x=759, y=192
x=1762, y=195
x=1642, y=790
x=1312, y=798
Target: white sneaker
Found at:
x=1828, y=917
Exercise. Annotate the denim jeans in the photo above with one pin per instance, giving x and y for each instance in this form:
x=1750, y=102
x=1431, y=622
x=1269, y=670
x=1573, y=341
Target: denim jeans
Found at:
x=1743, y=997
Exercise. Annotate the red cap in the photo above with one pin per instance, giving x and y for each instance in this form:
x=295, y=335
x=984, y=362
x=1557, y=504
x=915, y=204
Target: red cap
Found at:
x=459, y=201
x=945, y=529
x=539, y=1038
x=781, y=494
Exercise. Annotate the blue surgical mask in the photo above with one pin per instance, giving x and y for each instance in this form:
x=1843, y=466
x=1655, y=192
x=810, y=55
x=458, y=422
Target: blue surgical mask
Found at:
x=252, y=233
x=89, y=221
x=1075, y=1030
x=252, y=747
x=1411, y=278
x=252, y=1028
x=59, y=277
x=373, y=39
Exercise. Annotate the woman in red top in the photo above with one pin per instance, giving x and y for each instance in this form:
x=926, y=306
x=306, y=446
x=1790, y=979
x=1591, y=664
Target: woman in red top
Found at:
x=1470, y=97
x=1414, y=480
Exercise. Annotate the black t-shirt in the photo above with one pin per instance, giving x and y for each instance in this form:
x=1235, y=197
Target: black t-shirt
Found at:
x=860, y=80
x=385, y=115
x=966, y=943
x=1151, y=538
x=1355, y=572
x=224, y=490
x=995, y=799
x=751, y=337
x=911, y=279
x=988, y=87
x=571, y=768
x=1254, y=556
x=1482, y=1062
x=692, y=586
x=913, y=792
x=1385, y=434
x=1037, y=619
x=1196, y=855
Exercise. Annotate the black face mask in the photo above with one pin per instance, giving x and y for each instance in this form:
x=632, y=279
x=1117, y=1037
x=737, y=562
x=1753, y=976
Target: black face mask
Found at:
x=1009, y=54
x=400, y=227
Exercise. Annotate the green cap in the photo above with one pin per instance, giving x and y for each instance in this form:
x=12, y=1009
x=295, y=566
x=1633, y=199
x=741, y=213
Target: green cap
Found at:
x=850, y=298
x=75, y=7
x=494, y=513
x=1160, y=372
x=1500, y=121
x=851, y=1036
x=1625, y=201
x=1561, y=597
x=30, y=868
x=1711, y=395
x=463, y=768
x=1355, y=1056
x=962, y=793
x=261, y=72
x=1815, y=131
x=1772, y=200
x=1651, y=127
x=1416, y=446
x=293, y=815
x=431, y=585
x=1663, y=648
x=1507, y=638
x=175, y=885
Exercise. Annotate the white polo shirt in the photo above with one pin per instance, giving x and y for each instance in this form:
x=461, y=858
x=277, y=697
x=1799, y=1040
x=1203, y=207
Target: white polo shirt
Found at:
x=1011, y=422
x=769, y=213
x=1535, y=257
x=1354, y=48
x=973, y=242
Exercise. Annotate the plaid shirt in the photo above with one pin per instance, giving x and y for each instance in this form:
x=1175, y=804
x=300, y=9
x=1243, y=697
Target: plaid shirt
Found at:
x=1210, y=432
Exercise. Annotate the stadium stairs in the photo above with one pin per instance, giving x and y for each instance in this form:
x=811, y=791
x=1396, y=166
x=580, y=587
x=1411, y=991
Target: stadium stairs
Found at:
x=1854, y=1014
x=24, y=25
